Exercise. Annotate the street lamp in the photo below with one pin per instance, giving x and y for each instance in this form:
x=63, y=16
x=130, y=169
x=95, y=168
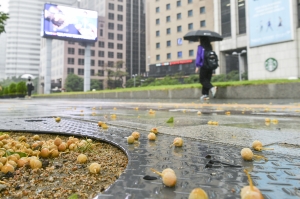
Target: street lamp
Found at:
x=240, y=61
x=134, y=79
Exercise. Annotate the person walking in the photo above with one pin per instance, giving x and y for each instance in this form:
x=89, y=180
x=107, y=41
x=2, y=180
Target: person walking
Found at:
x=205, y=74
x=30, y=87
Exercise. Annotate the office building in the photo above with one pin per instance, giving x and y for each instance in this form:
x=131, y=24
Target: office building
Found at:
x=167, y=22
x=2, y=55
x=262, y=44
x=23, y=38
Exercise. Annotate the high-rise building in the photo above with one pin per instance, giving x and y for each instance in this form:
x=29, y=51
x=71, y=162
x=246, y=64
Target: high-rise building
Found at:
x=135, y=37
x=2, y=55
x=167, y=22
x=23, y=37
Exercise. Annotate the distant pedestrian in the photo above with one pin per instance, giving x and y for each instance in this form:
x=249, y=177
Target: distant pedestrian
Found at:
x=30, y=87
x=205, y=74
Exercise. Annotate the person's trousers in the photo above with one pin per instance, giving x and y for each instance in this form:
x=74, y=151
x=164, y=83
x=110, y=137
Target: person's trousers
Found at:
x=205, y=78
x=29, y=92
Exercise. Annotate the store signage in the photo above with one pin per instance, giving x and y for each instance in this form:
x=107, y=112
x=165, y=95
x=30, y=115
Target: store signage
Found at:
x=181, y=62
x=271, y=64
x=163, y=64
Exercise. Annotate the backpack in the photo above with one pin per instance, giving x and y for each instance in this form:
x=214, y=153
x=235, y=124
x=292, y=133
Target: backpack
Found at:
x=210, y=60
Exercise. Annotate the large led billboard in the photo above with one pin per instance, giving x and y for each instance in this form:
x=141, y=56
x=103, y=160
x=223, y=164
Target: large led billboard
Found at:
x=270, y=21
x=67, y=23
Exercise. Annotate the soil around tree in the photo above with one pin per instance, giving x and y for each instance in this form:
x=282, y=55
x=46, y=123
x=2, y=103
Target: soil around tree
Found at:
x=60, y=177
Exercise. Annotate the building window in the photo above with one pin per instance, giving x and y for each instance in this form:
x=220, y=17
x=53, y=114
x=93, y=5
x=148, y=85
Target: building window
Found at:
x=100, y=73
x=92, y=62
x=70, y=70
x=92, y=53
x=71, y=61
x=120, y=17
x=157, y=57
x=179, y=29
x=110, y=45
x=179, y=54
x=92, y=72
x=168, y=6
x=169, y=43
x=178, y=15
x=120, y=8
x=191, y=53
x=157, y=45
x=111, y=54
x=100, y=53
x=111, y=16
x=80, y=51
x=80, y=71
x=71, y=51
x=71, y=42
x=225, y=18
x=168, y=18
x=111, y=6
x=190, y=26
x=100, y=63
x=120, y=37
x=111, y=26
x=242, y=16
x=101, y=44
x=168, y=31
x=157, y=9
x=110, y=35
x=168, y=55
x=101, y=32
x=190, y=1
x=110, y=64
x=120, y=55
x=120, y=27
x=202, y=10
x=202, y=23
x=190, y=13
x=157, y=33
x=120, y=46
x=157, y=21
x=178, y=3
x=80, y=61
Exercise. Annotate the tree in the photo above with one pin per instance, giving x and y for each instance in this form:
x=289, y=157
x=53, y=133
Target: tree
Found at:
x=74, y=83
x=96, y=84
x=21, y=87
x=12, y=88
x=115, y=76
x=3, y=18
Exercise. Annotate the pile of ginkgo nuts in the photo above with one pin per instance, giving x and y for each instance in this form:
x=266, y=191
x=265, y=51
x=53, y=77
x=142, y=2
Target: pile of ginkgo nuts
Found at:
x=51, y=166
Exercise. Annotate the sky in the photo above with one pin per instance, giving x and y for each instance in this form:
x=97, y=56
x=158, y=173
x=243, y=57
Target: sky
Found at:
x=4, y=5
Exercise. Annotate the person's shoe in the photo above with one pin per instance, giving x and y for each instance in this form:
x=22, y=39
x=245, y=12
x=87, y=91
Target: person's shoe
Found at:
x=204, y=98
x=213, y=91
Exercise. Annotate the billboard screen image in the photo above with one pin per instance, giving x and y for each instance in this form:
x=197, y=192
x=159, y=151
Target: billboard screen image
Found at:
x=67, y=23
x=270, y=21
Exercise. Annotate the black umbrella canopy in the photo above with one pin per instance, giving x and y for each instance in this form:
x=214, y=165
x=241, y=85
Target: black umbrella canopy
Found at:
x=196, y=34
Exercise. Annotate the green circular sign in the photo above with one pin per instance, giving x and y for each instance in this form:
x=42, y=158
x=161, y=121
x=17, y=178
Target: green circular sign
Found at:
x=271, y=64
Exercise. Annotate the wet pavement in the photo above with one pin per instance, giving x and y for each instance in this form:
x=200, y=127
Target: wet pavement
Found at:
x=276, y=178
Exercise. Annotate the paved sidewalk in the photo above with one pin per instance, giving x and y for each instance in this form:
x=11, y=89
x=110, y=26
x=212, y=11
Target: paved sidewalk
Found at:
x=276, y=178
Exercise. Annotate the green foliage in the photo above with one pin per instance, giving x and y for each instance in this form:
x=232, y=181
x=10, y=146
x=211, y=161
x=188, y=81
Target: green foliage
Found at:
x=192, y=79
x=1, y=90
x=171, y=120
x=96, y=84
x=6, y=91
x=21, y=87
x=232, y=76
x=165, y=81
x=116, y=75
x=3, y=18
x=73, y=196
x=74, y=83
x=12, y=88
